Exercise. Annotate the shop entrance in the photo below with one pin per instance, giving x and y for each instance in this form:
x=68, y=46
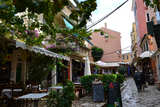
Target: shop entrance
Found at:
x=19, y=72
x=5, y=72
x=77, y=70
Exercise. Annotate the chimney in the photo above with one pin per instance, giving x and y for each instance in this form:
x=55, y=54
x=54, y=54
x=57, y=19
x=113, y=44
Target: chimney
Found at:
x=105, y=25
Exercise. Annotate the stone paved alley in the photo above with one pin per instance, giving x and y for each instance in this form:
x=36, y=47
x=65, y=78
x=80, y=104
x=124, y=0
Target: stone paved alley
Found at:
x=131, y=98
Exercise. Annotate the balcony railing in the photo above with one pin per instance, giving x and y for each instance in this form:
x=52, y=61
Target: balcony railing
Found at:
x=77, y=50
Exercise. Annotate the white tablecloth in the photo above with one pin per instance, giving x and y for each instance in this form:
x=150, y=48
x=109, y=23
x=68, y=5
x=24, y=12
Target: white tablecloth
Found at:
x=56, y=87
x=8, y=92
x=33, y=96
x=77, y=83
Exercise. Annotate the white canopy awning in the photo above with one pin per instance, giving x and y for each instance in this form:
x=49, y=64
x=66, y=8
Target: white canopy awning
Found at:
x=124, y=63
x=106, y=64
x=37, y=49
x=87, y=66
x=146, y=54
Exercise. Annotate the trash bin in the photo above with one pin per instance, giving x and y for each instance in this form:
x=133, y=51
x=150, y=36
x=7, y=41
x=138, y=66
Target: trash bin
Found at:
x=114, y=95
x=98, y=92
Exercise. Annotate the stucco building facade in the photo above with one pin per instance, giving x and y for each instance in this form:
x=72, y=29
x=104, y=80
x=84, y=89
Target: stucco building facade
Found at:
x=126, y=57
x=110, y=42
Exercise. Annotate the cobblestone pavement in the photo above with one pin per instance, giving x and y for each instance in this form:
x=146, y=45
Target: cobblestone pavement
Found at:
x=131, y=98
x=87, y=101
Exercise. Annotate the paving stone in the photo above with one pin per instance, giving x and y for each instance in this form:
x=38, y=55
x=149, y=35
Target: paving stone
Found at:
x=87, y=102
x=150, y=97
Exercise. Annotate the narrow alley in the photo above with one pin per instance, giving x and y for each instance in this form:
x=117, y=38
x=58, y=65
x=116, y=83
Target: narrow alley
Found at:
x=131, y=98
x=79, y=53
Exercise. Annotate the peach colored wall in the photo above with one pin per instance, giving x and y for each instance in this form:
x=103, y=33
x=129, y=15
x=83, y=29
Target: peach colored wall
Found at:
x=109, y=45
x=141, y=18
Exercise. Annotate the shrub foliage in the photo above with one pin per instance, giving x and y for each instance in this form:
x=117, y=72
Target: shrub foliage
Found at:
x=86, y=81
x=62, y=99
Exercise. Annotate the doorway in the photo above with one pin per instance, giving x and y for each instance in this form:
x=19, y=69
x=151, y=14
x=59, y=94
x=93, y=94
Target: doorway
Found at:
x=19, y=72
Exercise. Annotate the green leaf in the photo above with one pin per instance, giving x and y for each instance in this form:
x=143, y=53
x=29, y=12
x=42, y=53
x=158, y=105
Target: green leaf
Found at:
x=97, y=53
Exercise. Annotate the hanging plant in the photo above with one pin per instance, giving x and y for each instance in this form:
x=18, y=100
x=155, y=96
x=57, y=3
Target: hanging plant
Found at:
x=97, y=53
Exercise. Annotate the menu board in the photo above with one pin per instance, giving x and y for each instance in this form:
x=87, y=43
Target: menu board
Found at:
x=114, y=94
x=98, y=92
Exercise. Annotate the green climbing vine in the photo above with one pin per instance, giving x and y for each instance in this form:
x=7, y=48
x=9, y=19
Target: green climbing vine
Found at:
x=153, y=3
x=13, y=26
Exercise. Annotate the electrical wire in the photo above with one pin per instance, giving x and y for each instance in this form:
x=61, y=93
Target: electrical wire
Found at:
x=100, y=20
x=115, y=51
x=120, y=49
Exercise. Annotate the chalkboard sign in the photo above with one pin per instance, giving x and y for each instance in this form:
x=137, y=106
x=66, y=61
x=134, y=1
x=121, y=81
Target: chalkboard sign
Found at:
x=98, y=92
x=111, y=94
x=114, y=94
